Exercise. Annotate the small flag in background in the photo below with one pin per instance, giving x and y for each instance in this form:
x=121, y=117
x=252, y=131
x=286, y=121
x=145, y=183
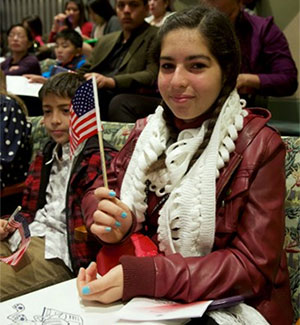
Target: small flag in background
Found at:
x=83, y=123
x=18, y=222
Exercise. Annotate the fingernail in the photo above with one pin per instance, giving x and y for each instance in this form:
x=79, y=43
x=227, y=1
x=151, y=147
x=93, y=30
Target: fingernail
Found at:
x=86, y=290
x=108, y=229
x=118, y=224
x=123, y=215
x=112, y=193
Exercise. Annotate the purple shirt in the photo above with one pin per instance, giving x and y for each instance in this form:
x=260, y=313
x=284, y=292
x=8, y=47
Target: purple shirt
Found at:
x=28, y=64
x=265, y=52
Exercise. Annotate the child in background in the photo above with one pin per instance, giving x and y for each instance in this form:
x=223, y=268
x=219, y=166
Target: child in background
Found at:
x=52, y=201
x=68, y=52
x=34, y=24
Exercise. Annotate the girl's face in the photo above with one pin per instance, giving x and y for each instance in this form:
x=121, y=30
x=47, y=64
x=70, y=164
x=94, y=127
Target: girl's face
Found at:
x=190, y=78
x=18, y=40
x=157, y=8
x=72, y=11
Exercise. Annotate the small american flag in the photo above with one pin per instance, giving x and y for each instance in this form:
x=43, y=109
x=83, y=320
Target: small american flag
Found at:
x=83, y=123
x=18, y=222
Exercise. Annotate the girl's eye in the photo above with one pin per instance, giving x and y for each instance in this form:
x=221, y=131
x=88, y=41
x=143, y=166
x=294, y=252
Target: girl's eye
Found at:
x=166, y=66
x=198, y=66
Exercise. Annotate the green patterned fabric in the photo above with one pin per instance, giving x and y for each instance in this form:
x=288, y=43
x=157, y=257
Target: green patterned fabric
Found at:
x=292, y=212
x=117, y=134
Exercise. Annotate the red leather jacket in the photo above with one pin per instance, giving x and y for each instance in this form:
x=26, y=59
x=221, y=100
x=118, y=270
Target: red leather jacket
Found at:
x=248, y=256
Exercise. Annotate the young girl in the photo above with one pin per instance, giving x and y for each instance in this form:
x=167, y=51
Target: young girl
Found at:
x=204, y=178
x=73, y=17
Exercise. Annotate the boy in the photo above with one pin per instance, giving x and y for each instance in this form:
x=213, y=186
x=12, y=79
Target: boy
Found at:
x=68, y=53
x=52, y=201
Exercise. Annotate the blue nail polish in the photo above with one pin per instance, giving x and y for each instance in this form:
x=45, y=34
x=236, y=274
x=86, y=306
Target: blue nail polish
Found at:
x=112, y=193
x=118, y=224
x=108, y=229
x=86, y=290
x=123, y=215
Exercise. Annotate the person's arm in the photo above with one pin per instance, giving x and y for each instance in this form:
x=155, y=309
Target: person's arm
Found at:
x=29, y=64
x=248, y=264
x=32, y=187
x=280, y=76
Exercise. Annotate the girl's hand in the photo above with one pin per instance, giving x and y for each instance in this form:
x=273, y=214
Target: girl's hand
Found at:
x=112, y=219
x=5, y=230
x=59, y=20
x=106, y=289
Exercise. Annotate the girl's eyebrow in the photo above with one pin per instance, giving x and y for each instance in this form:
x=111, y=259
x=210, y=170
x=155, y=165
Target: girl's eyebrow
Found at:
x=189, y=58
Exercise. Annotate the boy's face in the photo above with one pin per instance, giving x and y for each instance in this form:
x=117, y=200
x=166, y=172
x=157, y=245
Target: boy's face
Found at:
x=56, y=117
x=65, y=51
x=131, y=13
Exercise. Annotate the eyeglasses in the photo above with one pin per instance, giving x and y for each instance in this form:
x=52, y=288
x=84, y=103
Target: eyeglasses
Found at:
x=18, y=36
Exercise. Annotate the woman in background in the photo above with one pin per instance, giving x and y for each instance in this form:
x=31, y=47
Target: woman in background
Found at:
x=103, y=15
x=159, y=10
x=20, y=61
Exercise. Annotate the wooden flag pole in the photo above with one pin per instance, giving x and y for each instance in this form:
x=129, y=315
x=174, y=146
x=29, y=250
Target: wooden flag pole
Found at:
x=100, y=132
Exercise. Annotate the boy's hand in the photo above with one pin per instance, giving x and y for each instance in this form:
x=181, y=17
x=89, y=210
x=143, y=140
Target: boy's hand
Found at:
x=102, y=81
x=106, y=289
x=5, y=229
x=32, y=78
x=113, y=218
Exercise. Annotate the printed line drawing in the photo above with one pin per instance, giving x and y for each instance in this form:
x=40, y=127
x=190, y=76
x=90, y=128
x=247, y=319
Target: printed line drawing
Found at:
x=49, y=316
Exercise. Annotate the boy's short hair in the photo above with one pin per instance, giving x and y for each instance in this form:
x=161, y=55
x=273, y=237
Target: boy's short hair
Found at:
x=63, y=84
x=72, y=36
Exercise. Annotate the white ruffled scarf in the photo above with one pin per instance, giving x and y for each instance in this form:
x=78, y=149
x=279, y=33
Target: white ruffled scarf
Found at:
x=187, y=219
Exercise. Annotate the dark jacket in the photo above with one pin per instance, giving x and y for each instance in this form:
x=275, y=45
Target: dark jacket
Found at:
x=137, y=69
x=85, y=171
x=248, y=256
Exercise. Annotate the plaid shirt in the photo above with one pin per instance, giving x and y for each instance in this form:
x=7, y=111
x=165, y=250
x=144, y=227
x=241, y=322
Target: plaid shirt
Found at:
x=85, y=171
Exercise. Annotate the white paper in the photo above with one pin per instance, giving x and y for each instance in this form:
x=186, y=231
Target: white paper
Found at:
x=146, y=309
x=20, y=85
x=60, y=305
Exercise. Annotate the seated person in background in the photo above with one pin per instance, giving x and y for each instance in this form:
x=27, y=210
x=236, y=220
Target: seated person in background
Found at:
x=104, y=17
x=34, y=24
x=267, y=67
x=74, y=17
x=68, y=52
x=52, y=200
x=20, y=61
x=159, y=10
x=15, y=146
x=204, y=178
x=122, y=61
